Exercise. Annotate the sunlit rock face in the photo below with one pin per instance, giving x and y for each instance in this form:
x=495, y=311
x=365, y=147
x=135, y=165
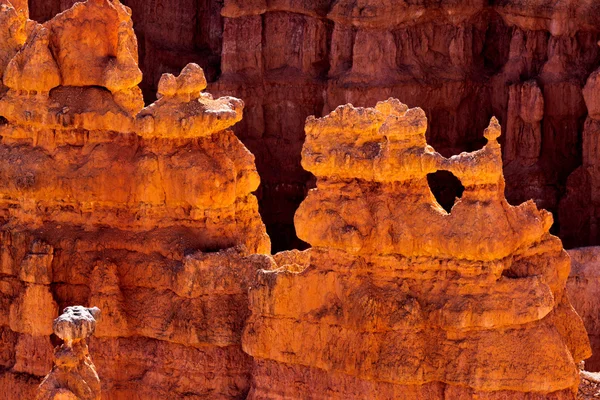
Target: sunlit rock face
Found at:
x=73, y=376
x=399, y=298
x=462, y=61
x=146, y=213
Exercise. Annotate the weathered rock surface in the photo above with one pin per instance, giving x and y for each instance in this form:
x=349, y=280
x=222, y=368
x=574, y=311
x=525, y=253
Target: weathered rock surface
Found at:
x=73, y=376
x=584, y=293
x=579, y=208
x=76, y=323
x=462, y=61
x=399, y=298
x=147, y=213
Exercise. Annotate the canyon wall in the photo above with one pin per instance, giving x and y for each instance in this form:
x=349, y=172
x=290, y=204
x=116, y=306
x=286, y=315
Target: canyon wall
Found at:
x=462, y=61
x=584, y=292
x=146, y=213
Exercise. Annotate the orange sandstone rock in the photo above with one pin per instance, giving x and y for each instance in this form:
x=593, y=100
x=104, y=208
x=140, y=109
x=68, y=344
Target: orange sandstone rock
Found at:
x=172, y=162
x=33, y=69
x=74, y=374
x=181, y=102
x=149, y=213
x=14, y=31
x=461, y=61
x=146, y=213
x=399, y=298
x=584, y=292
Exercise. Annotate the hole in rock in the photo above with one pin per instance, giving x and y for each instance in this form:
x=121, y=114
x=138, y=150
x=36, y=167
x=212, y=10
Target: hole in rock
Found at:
x=55, y=340
x=446, y=188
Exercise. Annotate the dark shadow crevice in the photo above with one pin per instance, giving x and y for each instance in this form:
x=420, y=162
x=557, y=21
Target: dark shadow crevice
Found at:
x=446, y=188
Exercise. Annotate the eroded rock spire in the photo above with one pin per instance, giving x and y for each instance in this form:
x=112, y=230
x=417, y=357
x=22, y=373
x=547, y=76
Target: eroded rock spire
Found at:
x=398, y=298
x=73, y=376
x=148, y=213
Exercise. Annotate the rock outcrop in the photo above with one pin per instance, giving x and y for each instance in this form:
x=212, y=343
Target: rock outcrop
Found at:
x=74, y=375
x=399, y=298
x=147, y=213
x=584, y=293
x=525, y=61
x=581, y=206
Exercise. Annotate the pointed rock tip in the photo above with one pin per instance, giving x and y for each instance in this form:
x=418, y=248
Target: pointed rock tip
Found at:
x=493, y=131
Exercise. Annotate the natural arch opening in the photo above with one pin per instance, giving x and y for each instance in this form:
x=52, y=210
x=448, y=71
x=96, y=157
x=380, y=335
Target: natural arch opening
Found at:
x=446, y=188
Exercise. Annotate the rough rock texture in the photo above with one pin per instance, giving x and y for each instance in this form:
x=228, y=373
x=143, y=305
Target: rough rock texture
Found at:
x=146, y=213
x=76, y=323
x=584, y=292
x=580, y=208
x=462, y=61
x=399, y=298
x=589, y=389
x=73, y=376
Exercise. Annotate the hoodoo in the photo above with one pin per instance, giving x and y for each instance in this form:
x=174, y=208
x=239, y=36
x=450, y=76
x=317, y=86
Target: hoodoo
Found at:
x=147, y=213
x=399, y=298
x=74, y=375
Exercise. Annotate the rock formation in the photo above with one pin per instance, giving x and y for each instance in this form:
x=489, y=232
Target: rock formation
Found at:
x=584, y=292
x=148, y=212
x=580, y=207
x=144, y=212
x=73, y=376
x=525, y=61
x=589, y=386
x=399, y=298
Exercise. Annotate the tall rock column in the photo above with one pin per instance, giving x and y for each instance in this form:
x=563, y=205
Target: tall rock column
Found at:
x=580, y=208
x=147, y=212
x=397, y=297
x=73, y=376
x=580, y=219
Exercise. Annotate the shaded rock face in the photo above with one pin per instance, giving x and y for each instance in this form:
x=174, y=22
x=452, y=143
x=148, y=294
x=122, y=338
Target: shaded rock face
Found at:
x=580, y=207
x=146, y=213
x=584, y=292
x=399, y=298
x=462, y=61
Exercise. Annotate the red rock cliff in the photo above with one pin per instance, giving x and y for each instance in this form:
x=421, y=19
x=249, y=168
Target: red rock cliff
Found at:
x=146, y=213
x=462, y=61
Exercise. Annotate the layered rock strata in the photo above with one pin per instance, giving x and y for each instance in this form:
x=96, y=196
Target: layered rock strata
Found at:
x=399, y=298
x=146, y=213
x=462, y=61
x=73, y=376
